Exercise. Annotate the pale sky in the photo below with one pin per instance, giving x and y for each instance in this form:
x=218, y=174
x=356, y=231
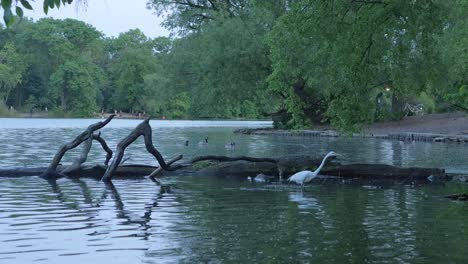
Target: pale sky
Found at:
x=108, y=16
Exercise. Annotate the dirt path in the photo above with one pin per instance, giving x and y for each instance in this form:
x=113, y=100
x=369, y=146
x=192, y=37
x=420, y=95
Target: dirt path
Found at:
x=448, y=123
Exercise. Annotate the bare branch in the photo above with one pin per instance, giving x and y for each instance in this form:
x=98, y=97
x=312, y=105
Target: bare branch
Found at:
x=158, y=170
x=142, y=129
x=52, y=169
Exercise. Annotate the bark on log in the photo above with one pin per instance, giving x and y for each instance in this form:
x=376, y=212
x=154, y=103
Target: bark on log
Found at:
x=85, y=135
x=143, y=129
x=383, y=171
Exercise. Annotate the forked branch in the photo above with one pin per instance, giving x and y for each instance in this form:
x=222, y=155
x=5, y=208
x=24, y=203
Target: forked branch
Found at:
x=85, y=135
x=143, y=129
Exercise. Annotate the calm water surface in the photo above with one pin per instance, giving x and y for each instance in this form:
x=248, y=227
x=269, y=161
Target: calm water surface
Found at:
x=218, y=220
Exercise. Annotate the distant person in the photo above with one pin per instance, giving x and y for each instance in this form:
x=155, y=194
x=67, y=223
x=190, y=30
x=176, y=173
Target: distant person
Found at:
x=46, y=110
x=186, y=143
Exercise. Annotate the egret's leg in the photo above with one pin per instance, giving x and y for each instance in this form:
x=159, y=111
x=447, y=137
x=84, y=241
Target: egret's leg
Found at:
x=324, y=179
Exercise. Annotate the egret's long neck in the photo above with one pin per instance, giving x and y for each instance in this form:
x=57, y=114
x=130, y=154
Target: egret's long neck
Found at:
x=321, y=164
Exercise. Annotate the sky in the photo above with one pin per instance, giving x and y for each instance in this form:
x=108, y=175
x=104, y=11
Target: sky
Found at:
x=108, y=16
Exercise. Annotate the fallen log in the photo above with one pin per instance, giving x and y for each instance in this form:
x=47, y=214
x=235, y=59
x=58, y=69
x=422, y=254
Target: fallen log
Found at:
x=244, y=169
x=282, y=166
x=367, y=172
x=383, y=171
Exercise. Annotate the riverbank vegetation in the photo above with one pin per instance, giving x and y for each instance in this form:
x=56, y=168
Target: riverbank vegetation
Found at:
x=304, y=62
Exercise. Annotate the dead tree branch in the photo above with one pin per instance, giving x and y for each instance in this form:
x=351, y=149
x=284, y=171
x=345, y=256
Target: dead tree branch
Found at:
x=85, y=135
x=159, y=169
x=143, y=129
x=104, y=145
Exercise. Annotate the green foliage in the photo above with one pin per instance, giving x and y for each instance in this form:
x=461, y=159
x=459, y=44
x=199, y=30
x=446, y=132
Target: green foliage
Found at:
x=5, y=111
x=304, y=61
x=346, y=51
x=201, y=165
x=12, y=67
x=58, y=112
x=7, y=7
x=75, y=85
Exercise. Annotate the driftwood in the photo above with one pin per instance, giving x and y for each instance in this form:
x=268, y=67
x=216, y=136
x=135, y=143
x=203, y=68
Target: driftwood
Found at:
x=87, y=136
x=160, y=169
x=143, y=129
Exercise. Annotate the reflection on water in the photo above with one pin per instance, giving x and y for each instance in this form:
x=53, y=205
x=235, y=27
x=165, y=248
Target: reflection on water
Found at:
x=204, y=219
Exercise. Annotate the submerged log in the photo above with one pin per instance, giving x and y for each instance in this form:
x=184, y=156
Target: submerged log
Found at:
x=383, y=171
x=367, y=172
x=240, y=169
x=281, y=166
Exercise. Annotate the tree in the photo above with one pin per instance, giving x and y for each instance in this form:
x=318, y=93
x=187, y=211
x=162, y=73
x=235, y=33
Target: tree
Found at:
x=75, y=84
x=12, y=67
x=222, y=62
x=46, y=45
x=128, y=71
x=339, y=53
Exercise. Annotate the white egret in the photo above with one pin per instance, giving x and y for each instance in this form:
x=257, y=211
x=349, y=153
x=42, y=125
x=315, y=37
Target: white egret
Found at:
x=306, y=176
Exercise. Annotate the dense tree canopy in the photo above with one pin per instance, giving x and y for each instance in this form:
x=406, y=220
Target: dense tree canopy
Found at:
x=345, y=62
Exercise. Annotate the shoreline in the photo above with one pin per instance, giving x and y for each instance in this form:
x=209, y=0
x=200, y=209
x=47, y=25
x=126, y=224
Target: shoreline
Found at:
x=444, y=127
x=404, y=136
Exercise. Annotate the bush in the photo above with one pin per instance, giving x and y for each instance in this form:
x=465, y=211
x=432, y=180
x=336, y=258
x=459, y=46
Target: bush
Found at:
x=6, y=112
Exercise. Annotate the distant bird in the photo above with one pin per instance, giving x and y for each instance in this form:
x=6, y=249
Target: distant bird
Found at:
x=186, y=142
x=204, y=142
x=306, y=176
x=231, y=145
x=261, y=178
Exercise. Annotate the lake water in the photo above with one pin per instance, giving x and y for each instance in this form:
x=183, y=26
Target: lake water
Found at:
x=219, y=220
